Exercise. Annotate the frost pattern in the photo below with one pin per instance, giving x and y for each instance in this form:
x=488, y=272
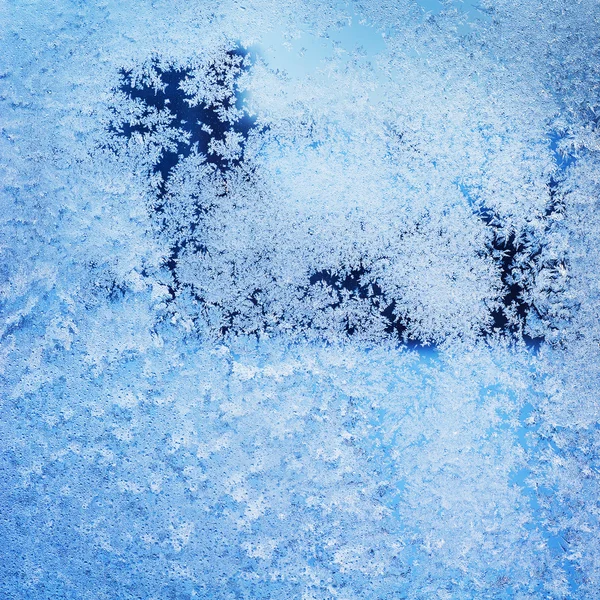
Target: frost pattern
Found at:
x=323, y=333
x=215, y=174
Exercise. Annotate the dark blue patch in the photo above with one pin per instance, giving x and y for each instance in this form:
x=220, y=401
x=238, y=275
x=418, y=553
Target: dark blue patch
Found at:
x=189, y=119
x=505, y=249
x=355, y=282
x=563, y=161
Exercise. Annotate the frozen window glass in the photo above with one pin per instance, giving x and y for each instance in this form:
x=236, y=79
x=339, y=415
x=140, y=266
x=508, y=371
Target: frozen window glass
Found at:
x=299, y=299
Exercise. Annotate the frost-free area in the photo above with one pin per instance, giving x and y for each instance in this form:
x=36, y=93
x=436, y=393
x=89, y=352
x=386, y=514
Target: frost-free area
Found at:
x=299, y=300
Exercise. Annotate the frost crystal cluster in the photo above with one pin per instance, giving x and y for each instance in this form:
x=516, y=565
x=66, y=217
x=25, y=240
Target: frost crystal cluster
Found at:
x=299, y=300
